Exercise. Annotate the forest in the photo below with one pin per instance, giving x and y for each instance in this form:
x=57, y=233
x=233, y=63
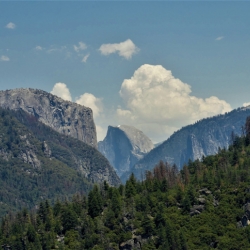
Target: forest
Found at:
x=203, y=206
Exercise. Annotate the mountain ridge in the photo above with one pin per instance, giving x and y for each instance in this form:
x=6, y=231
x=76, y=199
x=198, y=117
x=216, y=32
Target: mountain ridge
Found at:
x=63, y=116
x=194, y=141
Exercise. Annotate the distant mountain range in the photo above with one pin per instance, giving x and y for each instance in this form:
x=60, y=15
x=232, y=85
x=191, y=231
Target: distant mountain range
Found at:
x=123, y=146
x=203, y=138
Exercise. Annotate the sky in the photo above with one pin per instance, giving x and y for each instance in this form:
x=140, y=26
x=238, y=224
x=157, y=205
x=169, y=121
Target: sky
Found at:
x=157, y=66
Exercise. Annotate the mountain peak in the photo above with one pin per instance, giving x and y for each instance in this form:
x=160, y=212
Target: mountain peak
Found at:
x=65, y=117
x=123, y=146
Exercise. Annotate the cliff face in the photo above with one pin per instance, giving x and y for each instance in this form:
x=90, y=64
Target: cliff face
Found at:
x=194, y=141
x=65, y=117
x=124, y=146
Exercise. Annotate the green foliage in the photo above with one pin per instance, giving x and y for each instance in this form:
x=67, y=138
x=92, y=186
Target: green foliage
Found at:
x=154, y=213
x=94, y=202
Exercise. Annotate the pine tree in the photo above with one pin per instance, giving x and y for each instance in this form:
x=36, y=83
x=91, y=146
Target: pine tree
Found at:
x=183, y=242
x=94, y=202
x=148, y=225
x=68, y=218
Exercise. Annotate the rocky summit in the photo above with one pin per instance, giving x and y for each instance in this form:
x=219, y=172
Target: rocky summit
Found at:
x=123, y=146
x=65, y=117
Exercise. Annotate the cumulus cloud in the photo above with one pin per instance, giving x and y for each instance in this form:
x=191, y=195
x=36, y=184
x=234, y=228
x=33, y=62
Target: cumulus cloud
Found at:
x=85, y=58
x=125, y=49
x=219, y=38
x=4, y=58
x=92, y=102
x=81, y=46
x=156, y=101
x=245, y=104
x=10, y=26
x=61, y=90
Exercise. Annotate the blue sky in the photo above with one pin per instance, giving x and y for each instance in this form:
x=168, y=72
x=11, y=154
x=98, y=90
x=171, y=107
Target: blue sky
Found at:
x=183, y=61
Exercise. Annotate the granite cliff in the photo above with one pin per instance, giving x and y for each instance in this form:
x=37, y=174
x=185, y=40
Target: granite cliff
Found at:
x=65, y=117
x=123, y=146
x=194, y=141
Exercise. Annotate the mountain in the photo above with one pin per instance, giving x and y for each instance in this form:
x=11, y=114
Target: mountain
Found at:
x=194, y=141
x=123, y=146
x=65, y=117
x=38, y=163
x=204, y=206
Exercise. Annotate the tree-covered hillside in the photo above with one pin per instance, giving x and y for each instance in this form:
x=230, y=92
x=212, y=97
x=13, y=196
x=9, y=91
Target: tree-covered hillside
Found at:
x=38, y=163
x=206, y=205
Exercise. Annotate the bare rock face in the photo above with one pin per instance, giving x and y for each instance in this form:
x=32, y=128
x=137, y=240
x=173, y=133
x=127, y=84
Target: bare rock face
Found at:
x=124, y=146
x=46, y=149
x=65, y=117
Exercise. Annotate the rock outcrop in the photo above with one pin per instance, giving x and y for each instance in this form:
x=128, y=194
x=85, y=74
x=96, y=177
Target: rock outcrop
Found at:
x=65, y=117
x=245, y=220
x=194, y=141
x=123, y=146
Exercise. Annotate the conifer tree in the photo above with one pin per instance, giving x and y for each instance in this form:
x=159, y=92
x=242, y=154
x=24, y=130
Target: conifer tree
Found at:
x=94, y=202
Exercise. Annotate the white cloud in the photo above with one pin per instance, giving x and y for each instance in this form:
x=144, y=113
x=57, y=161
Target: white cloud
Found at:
x=85, y=58
x=219, y=38
x=10, y=26
x=125, y=49
x=81, y=46
x=101, y=133
x=245, y=104
x=38, y=48
x=61, y=90
x=4, y=58
x=92, y=102
x=54, y=48
x=157, y=102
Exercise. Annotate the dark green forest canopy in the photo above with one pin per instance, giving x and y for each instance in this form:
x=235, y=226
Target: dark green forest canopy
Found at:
x=198, y=207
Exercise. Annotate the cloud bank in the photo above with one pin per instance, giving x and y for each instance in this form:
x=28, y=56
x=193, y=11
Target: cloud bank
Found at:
x=156, y=101
x=124, y=49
